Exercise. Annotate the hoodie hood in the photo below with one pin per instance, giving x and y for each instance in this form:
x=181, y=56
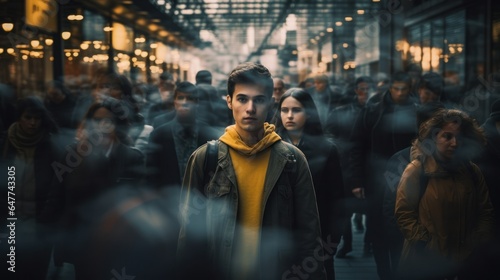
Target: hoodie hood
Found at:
x=233, y=140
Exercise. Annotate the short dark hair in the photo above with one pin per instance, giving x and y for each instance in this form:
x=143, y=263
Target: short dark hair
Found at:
x=251, y=73
x=203, y=77
x=363, y=79
x=433, y=82
x=186, y=87
x=401, y=76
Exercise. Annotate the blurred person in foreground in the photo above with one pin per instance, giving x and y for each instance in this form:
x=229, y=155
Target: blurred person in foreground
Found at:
x=257, y=217
x=298, y=123
x=382, y=129
x=339, y=126
x=449, y=215
x=28, y=189
x=100, y=160
x=170, y=145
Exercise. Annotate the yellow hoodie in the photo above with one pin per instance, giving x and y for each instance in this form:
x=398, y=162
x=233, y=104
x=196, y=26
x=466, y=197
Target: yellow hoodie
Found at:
x=250, y=166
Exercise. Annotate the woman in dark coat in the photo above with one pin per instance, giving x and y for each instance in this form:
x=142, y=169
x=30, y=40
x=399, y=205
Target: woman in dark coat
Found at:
x=298, y=123
x=27, y=152
x=101, y=160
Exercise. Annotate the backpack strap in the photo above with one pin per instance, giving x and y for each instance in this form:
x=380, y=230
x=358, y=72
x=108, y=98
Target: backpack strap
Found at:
x=210, y=164
x=291, y=165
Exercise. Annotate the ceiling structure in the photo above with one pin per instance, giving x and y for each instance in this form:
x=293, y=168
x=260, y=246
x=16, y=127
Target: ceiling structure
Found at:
x=226, y=24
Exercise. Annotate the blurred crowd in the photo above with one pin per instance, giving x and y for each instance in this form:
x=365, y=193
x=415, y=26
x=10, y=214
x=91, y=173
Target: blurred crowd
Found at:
x=99, y=169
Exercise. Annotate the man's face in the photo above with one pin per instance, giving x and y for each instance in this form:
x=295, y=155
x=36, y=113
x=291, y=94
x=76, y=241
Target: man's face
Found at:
x=278, y=90
x=362, y=90
x=427, y=96
x=250, y=106
x=55, y=95
x=184, y=104
x=320, y=85
x=30, y=122
x=400, y=91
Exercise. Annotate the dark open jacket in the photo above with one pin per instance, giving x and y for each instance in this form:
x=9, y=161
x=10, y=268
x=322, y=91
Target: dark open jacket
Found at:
x=290, y=231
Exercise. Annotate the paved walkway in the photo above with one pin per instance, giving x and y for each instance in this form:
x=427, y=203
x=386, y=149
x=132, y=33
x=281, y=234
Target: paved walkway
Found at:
x=355, y=266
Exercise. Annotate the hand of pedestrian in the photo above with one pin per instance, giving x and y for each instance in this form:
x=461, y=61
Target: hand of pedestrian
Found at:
x=359, y=192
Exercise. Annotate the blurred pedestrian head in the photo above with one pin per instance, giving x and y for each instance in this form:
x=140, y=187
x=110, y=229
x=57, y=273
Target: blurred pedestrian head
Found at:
x=362, y=87
x=400, y=87
x=279, y=89
x=430, y=87
x=109, y=118
x=57, y=92
x=33, y=116
x=204, y=77
x=321, y=82
x=185, y=100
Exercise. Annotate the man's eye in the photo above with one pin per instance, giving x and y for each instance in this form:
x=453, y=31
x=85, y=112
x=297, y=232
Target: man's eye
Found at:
x=241, y=99
x=259, y=100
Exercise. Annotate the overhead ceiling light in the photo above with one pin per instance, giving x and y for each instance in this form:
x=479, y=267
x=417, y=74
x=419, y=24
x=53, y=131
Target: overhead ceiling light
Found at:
x=361, y=12
x=329, y=30
x=49, y=42
x=7, y=26
x=35, y=43
x=348, y=18
x=66, y=35
x=338, y=23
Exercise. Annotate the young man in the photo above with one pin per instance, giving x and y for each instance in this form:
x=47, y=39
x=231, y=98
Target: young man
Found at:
x=257, y=217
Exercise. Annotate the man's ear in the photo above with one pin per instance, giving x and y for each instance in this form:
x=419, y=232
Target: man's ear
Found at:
x=228, y=100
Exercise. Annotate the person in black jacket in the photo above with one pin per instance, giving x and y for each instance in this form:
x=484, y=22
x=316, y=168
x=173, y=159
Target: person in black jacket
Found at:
x=339, y=126
x=171, y=144
x=102, y=159
x=383, y=129
x=489, y=161
x=298, y=123
x=28, y=190
x=394, y=170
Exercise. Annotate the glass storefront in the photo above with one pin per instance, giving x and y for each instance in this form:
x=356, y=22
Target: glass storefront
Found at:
x=439, y=45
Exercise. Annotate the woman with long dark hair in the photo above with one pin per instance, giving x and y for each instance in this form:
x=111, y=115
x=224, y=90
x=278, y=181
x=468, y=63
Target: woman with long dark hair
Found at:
x=298, y=122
